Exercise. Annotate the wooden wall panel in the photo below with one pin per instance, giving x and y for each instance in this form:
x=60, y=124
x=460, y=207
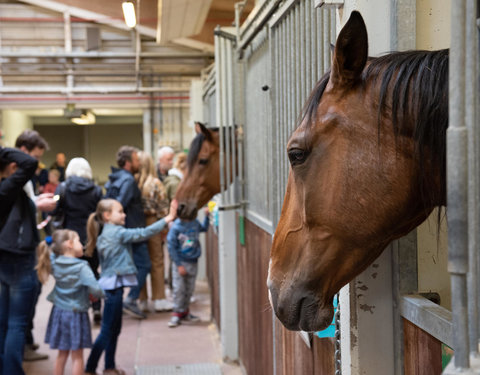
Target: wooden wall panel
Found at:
x=293, y=356
x=422, y=352
x=211, y=252
x=254, y=311
x=323, y=356
x=256, y=342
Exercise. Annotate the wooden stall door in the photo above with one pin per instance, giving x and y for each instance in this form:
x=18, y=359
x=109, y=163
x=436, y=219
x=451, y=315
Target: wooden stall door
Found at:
x=212, y=274
x=422, y=351
x=254, y=311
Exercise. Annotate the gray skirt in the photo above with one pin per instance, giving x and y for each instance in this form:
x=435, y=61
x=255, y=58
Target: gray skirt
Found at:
x=68, y=330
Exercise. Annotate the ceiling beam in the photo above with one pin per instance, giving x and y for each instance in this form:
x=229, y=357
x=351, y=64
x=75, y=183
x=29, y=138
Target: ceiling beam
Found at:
x=89, y=15
x=180, y=18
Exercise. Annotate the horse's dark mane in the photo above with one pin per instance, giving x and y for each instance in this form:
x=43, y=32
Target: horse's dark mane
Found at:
x=413, y=89
x=419, y=94
x=195, y=148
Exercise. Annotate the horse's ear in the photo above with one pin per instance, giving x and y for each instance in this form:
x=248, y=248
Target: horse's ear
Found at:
x=351, y=52
x=202, y=129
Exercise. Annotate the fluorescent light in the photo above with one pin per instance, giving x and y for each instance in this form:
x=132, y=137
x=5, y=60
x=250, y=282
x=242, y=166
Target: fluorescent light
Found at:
x=87, y=118
x=129, y=14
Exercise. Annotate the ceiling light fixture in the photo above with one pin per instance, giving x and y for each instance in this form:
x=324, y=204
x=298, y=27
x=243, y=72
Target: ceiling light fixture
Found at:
x=86, y=118
x=129, y=14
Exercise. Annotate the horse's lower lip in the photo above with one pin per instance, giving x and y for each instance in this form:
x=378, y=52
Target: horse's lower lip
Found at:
x=319, y=322
x=307, y=314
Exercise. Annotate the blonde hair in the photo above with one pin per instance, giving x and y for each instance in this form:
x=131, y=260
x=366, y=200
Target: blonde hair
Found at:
x=146, y=174
x=55, y=244
x=181, y=161
x=95, y=224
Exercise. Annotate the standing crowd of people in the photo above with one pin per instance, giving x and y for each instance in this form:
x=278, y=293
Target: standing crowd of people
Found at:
x=96, y=243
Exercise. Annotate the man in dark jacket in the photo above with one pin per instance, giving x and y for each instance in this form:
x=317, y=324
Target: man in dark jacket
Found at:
x=33, y=144
x=123, y=187
x=18, y=240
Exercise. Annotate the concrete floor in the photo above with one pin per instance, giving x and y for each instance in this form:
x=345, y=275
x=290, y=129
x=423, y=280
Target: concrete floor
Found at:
x=148, y=342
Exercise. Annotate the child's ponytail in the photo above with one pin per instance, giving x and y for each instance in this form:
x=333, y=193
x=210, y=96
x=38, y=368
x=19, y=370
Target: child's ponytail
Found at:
x=44, y=267
x=51, y=244
x=95, y=224
x=93, y=230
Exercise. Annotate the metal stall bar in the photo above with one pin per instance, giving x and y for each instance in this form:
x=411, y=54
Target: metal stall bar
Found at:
x=313, y=54
x=471, y=89
x=227, y=225
x=308, y=42
x=231, y=124
x=219, y=95
x=320, y=27
x=298, y=65
x=457, y=192
x=303, y=52
x=477, y=140
x=225, y=141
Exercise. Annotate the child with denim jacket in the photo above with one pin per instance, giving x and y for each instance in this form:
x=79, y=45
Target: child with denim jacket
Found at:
x=68, y=327
x=184, y=249
x=106, y=231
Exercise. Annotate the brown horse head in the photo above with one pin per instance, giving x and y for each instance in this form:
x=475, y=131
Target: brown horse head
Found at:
x=202, y=180
x=367, y=166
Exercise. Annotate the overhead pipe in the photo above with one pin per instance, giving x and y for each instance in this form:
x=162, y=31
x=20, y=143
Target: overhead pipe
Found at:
x=103, y=90
x=101, y=55
x=87, y=98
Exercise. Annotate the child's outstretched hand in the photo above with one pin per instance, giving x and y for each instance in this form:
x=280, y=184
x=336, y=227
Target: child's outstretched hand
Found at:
x=206, y=210
x=172, y=214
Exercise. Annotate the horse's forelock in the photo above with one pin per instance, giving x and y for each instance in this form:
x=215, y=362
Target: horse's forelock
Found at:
x=195, y=148
x=310, y=109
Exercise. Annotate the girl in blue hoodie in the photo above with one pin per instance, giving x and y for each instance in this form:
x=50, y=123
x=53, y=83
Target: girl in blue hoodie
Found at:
x=106, y=231
x=68, y=327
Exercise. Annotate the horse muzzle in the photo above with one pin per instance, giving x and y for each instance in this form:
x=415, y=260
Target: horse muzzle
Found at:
x=299, y=309
x=187, y=211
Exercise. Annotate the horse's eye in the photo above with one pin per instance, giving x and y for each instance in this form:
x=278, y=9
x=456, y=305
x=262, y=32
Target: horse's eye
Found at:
x=203, y=161
x=297, y=156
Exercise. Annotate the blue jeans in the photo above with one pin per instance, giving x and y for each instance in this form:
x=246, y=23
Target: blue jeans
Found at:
x=109, y=331
x=141, y=258
x=18, y=285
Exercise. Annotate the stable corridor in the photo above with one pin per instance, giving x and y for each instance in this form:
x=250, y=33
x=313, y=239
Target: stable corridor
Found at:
x=148, y=346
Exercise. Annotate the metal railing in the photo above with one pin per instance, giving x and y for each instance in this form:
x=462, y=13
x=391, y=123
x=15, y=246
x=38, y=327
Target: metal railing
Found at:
x=462, y=186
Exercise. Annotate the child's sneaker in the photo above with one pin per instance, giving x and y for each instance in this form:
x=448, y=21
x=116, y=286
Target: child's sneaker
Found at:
x=174, y=321
x=163, y=305
x=191, y=318
x=132, y=309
